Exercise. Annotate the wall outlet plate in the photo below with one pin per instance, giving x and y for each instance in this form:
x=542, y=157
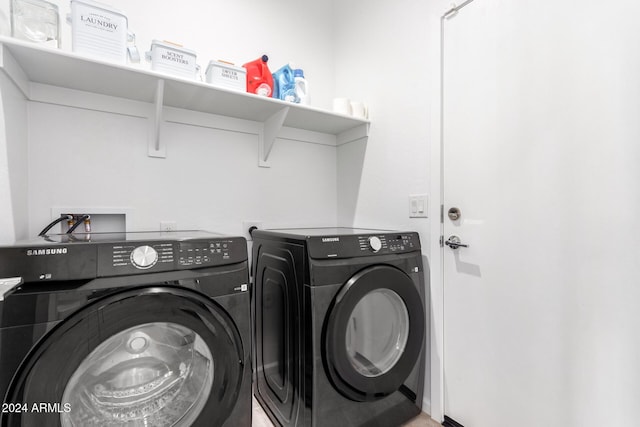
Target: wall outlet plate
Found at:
x=418, y=205
x=168, y=226
x=246, y=225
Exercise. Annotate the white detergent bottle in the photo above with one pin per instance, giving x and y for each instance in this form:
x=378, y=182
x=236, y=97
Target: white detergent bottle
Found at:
x=302, y=87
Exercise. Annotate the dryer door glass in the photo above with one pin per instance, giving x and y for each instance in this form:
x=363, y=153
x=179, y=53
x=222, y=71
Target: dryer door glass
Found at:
x=377, y=332
x=374, y=333
x=156, y=374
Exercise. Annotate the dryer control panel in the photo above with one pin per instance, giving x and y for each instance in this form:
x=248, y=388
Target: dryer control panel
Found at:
x=349, y=246
x=137, y=257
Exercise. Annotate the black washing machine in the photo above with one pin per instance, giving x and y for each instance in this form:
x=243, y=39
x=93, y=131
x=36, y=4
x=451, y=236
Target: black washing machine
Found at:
x=130, y=329
x=340, y=326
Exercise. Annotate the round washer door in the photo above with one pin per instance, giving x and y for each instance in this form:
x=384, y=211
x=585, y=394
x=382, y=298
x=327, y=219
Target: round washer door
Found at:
x=374, y=333
x=155, y=356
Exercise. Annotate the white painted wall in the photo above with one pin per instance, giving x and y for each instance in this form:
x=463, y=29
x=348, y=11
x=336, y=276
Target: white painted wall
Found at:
x=13, y=162
x=209, y=180
x=379, y=59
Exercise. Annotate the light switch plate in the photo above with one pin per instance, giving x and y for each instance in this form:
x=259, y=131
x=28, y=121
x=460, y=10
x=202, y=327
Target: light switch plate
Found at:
x=418, y=205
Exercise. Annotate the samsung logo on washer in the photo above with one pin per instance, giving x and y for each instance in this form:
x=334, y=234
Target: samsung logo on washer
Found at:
x=330, y=239
x=47, y=251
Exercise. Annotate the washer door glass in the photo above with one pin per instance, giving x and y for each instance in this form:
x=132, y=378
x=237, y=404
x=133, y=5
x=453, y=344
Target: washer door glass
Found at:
x=156, y=374
x=377, y=332
x=152, y=356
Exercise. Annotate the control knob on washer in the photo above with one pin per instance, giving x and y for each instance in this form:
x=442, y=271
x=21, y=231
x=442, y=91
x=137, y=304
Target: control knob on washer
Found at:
x=144, y=257
x=375, y=243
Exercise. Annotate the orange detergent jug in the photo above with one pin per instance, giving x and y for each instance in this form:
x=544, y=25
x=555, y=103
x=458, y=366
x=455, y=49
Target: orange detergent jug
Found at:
x=259, y=79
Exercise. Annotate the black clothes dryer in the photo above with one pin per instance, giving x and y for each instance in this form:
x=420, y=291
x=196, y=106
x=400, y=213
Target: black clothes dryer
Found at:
x=135, y=329
x=340, y=326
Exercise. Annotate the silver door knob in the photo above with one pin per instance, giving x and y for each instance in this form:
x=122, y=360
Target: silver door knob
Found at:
x=454, y=243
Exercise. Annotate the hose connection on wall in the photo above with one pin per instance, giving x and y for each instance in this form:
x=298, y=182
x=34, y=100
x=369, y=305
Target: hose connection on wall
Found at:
x=68, y=217
x=79, y=220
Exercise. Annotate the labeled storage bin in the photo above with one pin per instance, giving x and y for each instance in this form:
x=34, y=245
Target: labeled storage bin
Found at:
x=98, y=30
x=35, y=21
x=172, y=59
x=226, y=75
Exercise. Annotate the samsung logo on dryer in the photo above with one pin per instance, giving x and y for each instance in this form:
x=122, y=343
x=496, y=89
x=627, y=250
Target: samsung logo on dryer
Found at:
x=47, y=251
x=330, y=239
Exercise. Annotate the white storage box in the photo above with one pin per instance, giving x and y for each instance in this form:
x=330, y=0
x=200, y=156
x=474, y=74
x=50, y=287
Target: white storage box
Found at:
x=226, y=75
x=172, y=59
x=98, y=30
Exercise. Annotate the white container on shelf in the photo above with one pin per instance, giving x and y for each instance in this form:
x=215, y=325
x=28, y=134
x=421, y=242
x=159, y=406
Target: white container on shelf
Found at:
x=98, y=30
x=226, y=75
x=171, y=58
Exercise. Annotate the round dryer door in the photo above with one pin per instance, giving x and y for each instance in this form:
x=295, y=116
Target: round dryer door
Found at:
x=374, y=333
x=157, y=356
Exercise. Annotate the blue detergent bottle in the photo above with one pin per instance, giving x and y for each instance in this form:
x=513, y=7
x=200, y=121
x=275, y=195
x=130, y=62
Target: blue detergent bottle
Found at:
x=284, y=85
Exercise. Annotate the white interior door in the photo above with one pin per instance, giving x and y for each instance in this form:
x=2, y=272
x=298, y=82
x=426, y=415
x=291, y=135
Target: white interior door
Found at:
x=541, y=148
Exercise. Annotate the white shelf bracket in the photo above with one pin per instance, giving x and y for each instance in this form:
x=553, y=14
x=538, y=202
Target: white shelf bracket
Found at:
x=14, y=71
x=353, y=134
x=156, y=148
x=270, y=132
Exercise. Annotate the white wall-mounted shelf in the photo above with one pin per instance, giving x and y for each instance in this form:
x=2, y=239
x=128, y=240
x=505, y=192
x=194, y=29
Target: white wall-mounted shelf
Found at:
x=29, y=65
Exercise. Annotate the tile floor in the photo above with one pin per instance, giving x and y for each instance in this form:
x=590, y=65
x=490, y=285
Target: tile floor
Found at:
x=260, y=419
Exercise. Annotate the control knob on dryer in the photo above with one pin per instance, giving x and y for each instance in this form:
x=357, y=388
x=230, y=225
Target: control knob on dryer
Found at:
x=375, y=243
x=144, y=257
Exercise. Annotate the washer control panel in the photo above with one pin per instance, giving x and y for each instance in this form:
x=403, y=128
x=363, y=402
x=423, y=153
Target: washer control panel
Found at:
x=133, y=257
x=206, y=253
x=348, y=246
